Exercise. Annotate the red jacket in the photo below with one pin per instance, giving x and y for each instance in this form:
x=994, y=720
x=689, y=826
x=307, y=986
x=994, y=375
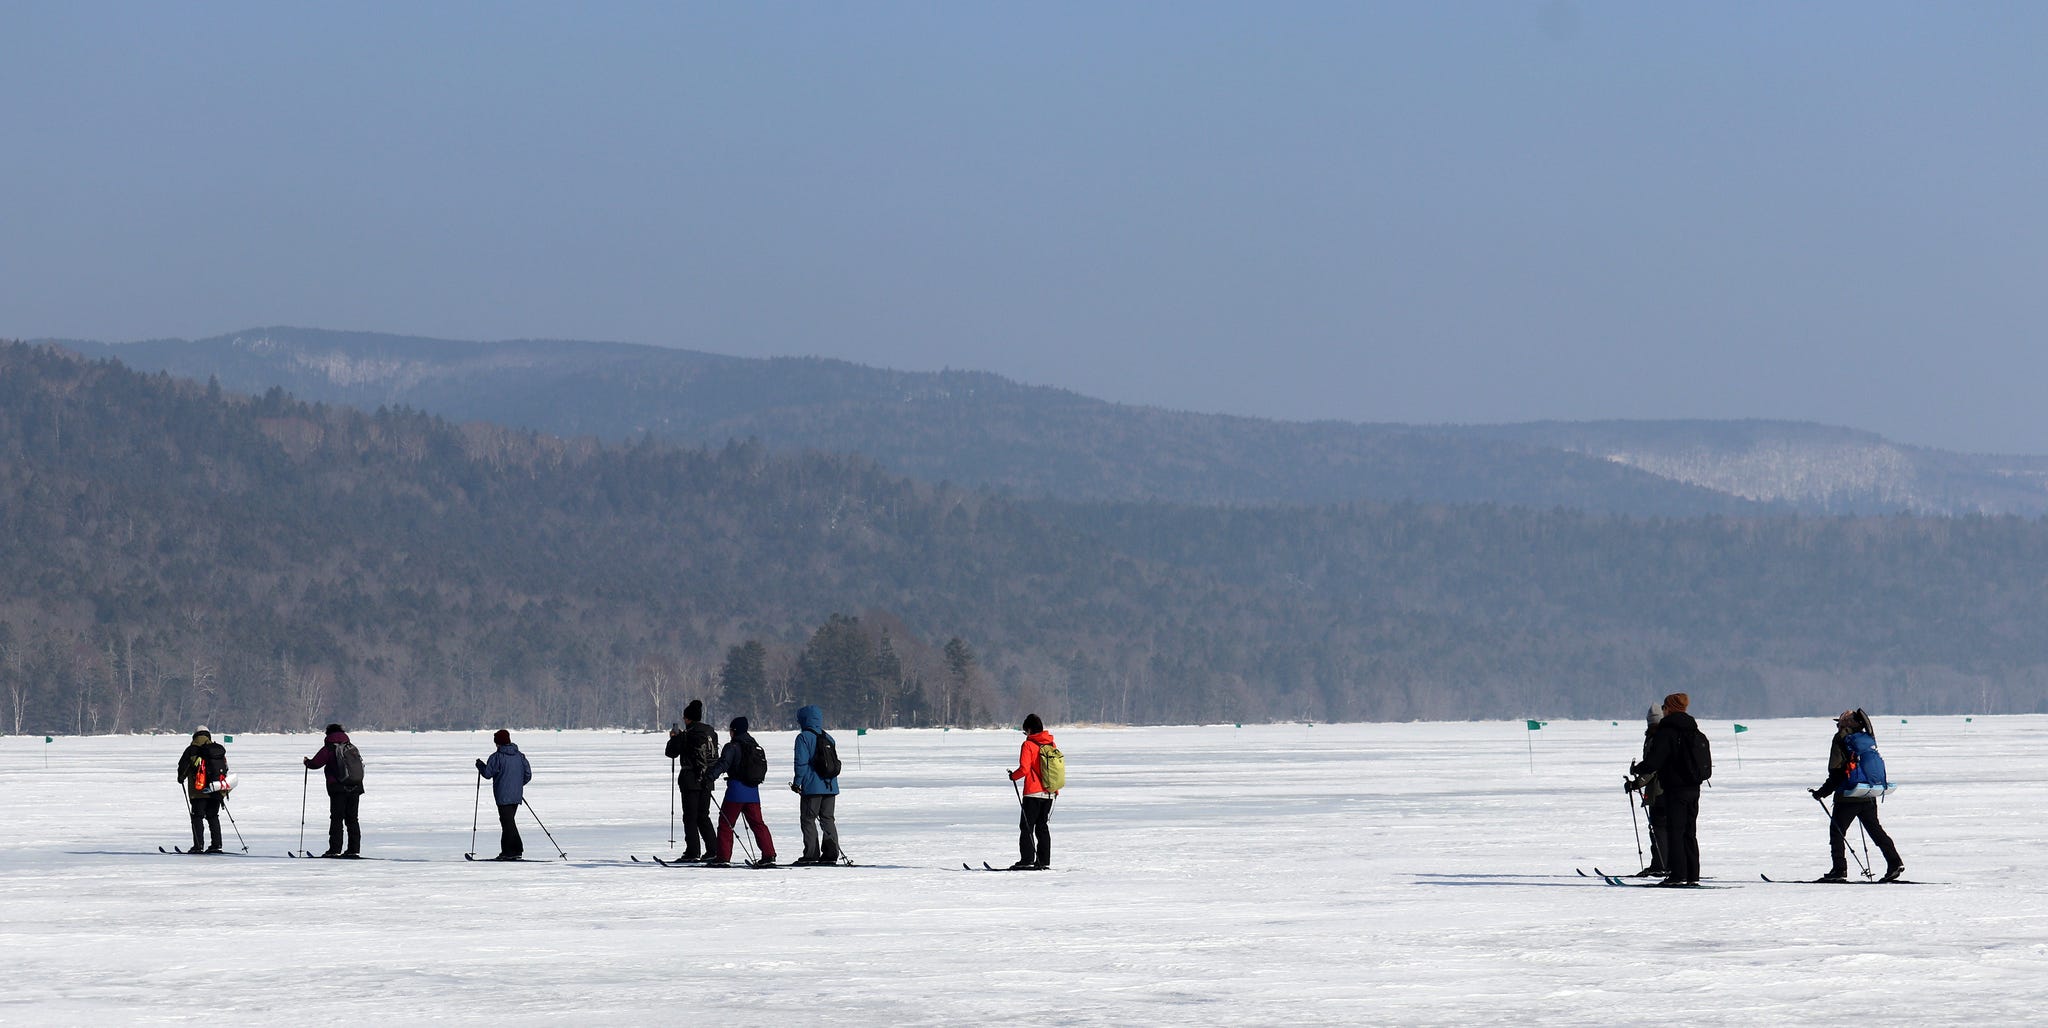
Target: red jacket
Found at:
x=1027, y=762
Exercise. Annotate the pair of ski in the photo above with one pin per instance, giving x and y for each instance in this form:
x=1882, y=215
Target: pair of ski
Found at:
x=986, y=866
x=1837, y=881
x=752, y=865
x=200, y=852
x=1640, y=881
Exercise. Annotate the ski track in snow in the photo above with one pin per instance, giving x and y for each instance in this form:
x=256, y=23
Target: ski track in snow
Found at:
x=1327, y=874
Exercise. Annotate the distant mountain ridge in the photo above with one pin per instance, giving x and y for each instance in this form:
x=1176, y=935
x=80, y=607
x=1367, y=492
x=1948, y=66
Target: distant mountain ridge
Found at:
x=981, y=429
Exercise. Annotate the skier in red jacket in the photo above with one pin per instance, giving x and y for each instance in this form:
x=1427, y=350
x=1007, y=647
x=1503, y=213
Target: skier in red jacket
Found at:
x=1034, y=835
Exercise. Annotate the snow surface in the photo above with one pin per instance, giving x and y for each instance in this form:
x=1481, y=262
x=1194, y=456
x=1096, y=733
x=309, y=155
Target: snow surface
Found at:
x=1326, y=874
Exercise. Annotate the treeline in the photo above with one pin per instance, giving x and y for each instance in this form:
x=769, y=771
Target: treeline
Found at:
x=175, y=554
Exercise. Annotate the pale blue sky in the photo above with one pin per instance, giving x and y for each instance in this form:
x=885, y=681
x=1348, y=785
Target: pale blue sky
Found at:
x=1415, y=212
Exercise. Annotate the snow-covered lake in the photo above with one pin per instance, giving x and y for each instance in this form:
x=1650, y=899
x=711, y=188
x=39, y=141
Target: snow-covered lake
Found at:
x=1326, y=874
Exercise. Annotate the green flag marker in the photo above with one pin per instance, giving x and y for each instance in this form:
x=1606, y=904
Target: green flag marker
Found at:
x=1240, y=724
x=1534, y=725
x=1967, y=720
x=227, y=738
x=1614, y=724
x=47, y=740
x=863, y=731
x=1739, y=729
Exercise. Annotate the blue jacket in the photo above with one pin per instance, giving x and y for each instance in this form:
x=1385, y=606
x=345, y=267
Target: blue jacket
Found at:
x=811, y=719
x=509, y=772
x=728, y=765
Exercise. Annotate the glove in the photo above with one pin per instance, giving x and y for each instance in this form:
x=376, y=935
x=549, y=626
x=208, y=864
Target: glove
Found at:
x=1820, y=793
x=1630, y=785
x=1636, y=769
x=795, y=788
x=480, y=768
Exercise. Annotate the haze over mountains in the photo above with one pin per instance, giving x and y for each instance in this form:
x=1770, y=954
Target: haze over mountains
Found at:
x=181, y=551
x=980, y=429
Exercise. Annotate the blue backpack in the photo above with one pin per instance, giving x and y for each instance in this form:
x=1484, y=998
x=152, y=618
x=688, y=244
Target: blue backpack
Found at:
x=1865, y=766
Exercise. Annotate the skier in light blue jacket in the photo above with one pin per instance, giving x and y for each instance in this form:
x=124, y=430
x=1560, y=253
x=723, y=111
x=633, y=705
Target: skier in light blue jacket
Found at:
x=820, y=793
x=509, y=772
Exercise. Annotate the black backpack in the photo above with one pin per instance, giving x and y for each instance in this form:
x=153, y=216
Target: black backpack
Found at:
x=350, y=762
x=753, y=769
x=706, y=753
x=825, y=759
x=1695, y=759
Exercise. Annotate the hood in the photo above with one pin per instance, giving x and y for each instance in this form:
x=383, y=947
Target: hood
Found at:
x=811, y=718
x=335, y=737
x=510, y=747
x=1680, y=720
x=1043, y=738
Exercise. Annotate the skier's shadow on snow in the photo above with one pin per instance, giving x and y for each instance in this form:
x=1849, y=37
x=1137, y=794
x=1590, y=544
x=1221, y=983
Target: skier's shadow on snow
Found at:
x=1522, y=881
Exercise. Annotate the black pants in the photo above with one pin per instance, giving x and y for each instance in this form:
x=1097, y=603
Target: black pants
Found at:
x=700, y=836
x=509, y=844
x=1034, y=834
x=1682, y=834
x=1654, y=816
x=341, y=814
x=1865, y=811
x=206, y=814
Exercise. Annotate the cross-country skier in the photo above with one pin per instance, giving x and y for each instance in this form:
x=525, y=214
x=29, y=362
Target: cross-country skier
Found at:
x=1671, y=758
x=344, y=798
x=509, y=772
x=820, y=794
x=1034, y=829
x=1653, y=802
x=1852, y=808
x=203, y=771
x=695, y=747
x=742, y=798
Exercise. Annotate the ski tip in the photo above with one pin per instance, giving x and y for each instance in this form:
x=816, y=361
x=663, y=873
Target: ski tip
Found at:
x=469, y=856
x=964, y=867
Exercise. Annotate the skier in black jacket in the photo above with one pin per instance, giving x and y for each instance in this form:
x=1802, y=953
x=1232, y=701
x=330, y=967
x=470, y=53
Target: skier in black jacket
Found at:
x=696, y=747
x=202, y=772
x=1670, y=759
x=1850, y=808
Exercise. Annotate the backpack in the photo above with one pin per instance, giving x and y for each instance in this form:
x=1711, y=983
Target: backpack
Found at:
x=1052, y=768
x=825, y=759
x=349, y=762
x=1694, y=762
x=210, y=769
x=753, y=769
x=1865, y=766
x=705, y=755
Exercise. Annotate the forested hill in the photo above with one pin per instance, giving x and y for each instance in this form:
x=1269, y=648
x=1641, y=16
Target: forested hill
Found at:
x=176, y=554
x=964, y=427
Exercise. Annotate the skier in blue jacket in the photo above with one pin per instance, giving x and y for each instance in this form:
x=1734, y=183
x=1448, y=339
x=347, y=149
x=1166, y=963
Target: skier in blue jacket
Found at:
x=509, y=772
x=820, y=794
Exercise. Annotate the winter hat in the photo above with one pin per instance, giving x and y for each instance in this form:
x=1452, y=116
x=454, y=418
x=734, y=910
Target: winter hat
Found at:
x=739, y=724
x=501, y=737
x=695, y=711
x=1656, y=715
x=201, y=733
x=333, y=728
x=1677, y=702
x=1033, y=726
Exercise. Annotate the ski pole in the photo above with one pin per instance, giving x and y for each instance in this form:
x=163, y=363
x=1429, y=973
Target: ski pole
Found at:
x=544, y=830
x=677, y=784
x=1865, y=836
x=1632, y=820
x=305, y=782
x=474, y=808
x=231, y=822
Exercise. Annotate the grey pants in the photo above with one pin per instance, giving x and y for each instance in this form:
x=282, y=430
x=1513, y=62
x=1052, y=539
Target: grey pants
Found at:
x=817, y=814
